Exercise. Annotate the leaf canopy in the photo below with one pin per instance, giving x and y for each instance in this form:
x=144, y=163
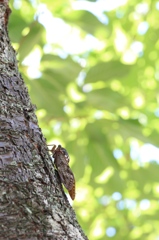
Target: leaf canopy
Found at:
x=95, y=85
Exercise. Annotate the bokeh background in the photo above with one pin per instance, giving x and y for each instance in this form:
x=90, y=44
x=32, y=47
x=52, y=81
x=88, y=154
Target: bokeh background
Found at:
x=92, y=69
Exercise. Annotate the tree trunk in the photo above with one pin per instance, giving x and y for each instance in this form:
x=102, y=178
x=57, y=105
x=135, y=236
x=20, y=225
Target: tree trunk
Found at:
x=33, y=204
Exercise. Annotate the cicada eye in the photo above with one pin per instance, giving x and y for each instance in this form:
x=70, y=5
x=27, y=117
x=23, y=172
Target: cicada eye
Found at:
x=67, y=158
x=65, y=153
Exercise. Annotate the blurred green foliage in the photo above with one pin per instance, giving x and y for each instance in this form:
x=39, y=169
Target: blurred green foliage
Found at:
x=98, y=97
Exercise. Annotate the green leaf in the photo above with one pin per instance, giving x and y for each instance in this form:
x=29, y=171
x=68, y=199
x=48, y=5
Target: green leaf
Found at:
x=28, y=42
x=105, y=98
x=14, y=32
x=104, y=71
x=63, y=70
x=85, y=20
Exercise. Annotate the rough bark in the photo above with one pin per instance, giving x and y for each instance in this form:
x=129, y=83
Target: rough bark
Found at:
x=33, y=204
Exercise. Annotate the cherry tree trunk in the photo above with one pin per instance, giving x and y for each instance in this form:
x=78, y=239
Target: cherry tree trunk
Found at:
x=33, y=204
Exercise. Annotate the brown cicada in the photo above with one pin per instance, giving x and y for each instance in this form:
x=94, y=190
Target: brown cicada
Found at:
x=61, y=161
